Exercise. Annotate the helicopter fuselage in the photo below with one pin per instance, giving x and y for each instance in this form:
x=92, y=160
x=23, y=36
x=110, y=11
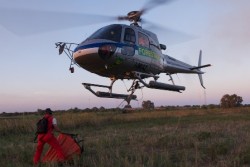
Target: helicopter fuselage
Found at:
x=115, y=51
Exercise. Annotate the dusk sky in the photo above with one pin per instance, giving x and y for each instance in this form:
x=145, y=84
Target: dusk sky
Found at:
x=34, y=76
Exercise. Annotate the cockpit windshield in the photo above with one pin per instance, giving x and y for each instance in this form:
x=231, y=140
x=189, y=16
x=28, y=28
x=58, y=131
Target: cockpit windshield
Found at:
x=111, y=32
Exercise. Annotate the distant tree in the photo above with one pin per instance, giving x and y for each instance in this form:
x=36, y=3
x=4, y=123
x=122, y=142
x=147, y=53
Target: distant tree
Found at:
x=102, y=108
x=148, y=105
x=127, y=106
x=74, y=110
x=40, y=111
x=3, y=113
x=187, y=106
x=94, y=109
x=87, y=110
x=228, y=101
x=212, y=106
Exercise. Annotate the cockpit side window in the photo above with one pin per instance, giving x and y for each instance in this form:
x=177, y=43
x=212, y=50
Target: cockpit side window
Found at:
x=111, y=32
x=143, y=40
x=129, y=35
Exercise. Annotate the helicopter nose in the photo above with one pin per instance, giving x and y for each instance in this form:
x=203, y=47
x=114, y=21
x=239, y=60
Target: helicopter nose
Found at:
x=106, y=51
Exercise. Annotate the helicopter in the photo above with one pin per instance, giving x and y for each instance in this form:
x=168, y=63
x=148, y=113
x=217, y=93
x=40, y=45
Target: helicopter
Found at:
x=120, y=51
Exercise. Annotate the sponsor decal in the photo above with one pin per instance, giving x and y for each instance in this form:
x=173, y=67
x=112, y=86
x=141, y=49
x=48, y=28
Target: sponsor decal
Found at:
x=117, y=62
x=148, y=53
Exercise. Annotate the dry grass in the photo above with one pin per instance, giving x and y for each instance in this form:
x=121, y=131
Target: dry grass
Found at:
x=141, y=138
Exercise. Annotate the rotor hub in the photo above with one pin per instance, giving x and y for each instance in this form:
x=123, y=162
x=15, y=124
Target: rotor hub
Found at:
x=134, y=16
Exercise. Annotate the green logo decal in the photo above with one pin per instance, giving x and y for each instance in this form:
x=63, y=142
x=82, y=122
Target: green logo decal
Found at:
x=118, y=61
x=148, y=53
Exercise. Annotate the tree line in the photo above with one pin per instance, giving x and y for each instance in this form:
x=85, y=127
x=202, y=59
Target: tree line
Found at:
x=227, y=101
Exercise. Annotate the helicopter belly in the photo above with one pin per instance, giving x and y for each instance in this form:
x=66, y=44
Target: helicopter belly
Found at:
x=91, y=60
x=86, y=57
x=86, y=53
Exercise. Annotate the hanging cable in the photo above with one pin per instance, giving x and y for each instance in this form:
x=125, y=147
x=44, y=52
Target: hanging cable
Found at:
x=141, y=99
x=120, y=104
x=205, y=97
x=178, y=77
x=141, y=95
x=125, y=85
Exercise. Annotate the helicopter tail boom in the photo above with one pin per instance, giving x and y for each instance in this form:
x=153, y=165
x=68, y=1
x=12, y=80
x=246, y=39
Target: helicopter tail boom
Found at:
x=174, y=66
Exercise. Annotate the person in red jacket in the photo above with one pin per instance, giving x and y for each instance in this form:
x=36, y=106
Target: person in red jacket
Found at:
x=48, y=138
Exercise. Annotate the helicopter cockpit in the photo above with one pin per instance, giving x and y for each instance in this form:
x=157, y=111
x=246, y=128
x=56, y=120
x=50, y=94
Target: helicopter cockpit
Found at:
x=128, y=34
x=112, y=32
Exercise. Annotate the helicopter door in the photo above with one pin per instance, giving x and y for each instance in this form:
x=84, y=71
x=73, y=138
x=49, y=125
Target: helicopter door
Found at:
x=157, y=60
x=143, y=40
x=144, y=52
x=129, y=38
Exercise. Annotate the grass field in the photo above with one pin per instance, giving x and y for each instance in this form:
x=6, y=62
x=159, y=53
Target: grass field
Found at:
x=200, y=137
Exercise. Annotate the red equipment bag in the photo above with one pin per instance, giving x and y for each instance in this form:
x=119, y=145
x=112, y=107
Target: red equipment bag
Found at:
x=70, y=146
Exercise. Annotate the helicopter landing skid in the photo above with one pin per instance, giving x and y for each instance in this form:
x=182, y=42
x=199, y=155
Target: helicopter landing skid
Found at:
x=126, y=97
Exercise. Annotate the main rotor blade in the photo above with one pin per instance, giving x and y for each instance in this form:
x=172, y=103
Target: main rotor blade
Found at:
x=169, y=35
x=27, y=22
x=152, y=4
x=148, y=6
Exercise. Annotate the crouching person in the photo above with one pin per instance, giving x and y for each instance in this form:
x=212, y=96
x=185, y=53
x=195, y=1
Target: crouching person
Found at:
x=45, y=128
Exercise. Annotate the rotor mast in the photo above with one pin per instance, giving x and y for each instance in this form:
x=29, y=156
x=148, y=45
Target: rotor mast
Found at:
x=134, y=17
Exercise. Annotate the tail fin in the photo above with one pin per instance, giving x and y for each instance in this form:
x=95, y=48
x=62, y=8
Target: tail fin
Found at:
x=200, y=57
x=199, y=65
x=198, y=68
